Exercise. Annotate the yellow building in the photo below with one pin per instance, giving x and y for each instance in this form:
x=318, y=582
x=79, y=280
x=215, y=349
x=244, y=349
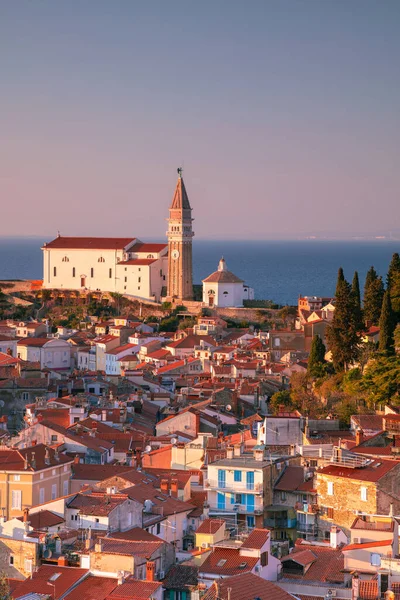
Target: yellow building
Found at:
x=32, y=476
x=210, y=532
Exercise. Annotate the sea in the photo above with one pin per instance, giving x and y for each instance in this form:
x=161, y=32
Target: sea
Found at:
x=277, y=270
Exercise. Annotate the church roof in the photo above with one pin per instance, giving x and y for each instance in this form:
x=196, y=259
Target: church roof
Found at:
x=180, y=198
x=90, y=243
x=222, y=275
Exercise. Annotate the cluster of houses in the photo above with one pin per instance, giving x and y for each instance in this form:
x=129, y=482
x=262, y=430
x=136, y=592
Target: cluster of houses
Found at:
x=146, y=465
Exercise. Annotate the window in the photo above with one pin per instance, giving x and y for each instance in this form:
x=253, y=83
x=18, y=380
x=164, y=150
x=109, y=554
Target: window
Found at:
x=41, y=475
x=65, y=259
x=237, y=475
x=283, y=496
x=92, y=272
x=17, y=477
x=110, y=273
x=150, y=256
x=375, y=559
x=25, y=395
x=97, y=520
x=329, y=513
x=41, y=495
x=364, y=494
x=264, y=559
x=54, y=491
x=101, y=259
x=73, y=271
x=11, y=559
x=55, y=271
x=139, y=279
x=330, y=488
x=158, y=530
x=28, y=565
x=250, y=521
x=53, y=438
x=53, y=471
x=65, y=488
x=16, y=499
x=125, y=279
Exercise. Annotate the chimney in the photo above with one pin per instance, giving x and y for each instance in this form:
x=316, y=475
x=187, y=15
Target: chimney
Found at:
x=229, y=452
x=97, y=547
x=355, y=587
x=150, y=570
x=121, y=578
x=337, y=454
x=25, y=463
x=62, y=561
x=34, y=442
x=206, y=510
x=26, y=515
x=359, y=436
x=76, y=459
x=334, y=537
x=174, y=488
x=104, y=415
x=47, y=457
x=164, y=486
x=237, y=450
x=258, y=453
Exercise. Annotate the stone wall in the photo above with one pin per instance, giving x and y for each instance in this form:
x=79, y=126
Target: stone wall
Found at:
x=22, y=552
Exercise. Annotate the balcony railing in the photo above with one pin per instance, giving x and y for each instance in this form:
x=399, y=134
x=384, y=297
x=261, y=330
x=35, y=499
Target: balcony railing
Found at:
x=280, y=523
x=241, y=509
x=305, y=527
x=233, y=486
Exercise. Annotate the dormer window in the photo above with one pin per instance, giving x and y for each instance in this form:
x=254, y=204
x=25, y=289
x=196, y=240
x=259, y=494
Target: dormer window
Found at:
x=101, y=259
x=65, y=259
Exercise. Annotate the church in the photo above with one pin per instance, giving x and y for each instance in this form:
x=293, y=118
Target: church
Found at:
x=144, y=271
x=127, y=265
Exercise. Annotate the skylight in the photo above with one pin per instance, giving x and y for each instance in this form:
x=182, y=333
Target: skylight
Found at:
x=221, y=562
x=55, y=576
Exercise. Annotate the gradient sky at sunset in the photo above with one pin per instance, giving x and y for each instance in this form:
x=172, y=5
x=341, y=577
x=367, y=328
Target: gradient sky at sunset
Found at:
x=284, y=113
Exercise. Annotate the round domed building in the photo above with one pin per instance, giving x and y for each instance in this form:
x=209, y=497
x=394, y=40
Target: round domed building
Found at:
x=224, y=288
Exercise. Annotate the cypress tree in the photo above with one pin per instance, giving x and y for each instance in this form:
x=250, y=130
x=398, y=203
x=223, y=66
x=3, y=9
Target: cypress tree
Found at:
x=355, y=291
x=342, y=334
x=316, y=360
x=373, y=296
x=387, y=325
x=340, y=279
x=393, y=284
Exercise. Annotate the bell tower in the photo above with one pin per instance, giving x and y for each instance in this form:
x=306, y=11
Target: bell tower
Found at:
x=180, y=234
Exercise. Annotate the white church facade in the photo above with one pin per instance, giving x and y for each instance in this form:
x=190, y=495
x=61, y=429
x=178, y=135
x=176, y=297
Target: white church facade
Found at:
x=123, y=265
x=223, y=288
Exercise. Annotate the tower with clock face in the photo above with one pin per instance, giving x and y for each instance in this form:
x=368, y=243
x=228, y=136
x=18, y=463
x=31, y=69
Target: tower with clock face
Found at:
x=180, y=234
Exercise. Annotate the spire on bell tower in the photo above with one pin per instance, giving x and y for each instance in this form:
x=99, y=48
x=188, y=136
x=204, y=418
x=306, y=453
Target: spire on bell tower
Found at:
x=180, y=199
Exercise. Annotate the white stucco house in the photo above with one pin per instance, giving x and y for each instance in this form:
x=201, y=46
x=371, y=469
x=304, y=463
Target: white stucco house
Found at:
x=123, y=265
x=223, y=288
x=52, y=353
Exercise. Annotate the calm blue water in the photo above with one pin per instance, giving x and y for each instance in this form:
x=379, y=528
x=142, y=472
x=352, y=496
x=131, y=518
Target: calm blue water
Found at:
x=278, y=270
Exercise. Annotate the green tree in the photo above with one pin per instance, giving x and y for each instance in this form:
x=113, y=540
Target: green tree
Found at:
x=387, y=325
x=340, y=280
x=316, y=360
x=342, y=333
x=393, y=284
x=280, y=399
x=355, y=290
x=373, y=297
x=381, y=380
x=5, y=592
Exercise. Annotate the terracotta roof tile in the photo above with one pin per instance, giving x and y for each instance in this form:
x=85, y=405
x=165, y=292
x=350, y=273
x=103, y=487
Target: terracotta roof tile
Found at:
x=237, y=588
x=90, y=243
x=39, y=581
x=93, y=588
x=210, y=526
x=233, y=560
x=256, y=539
x=135, y=589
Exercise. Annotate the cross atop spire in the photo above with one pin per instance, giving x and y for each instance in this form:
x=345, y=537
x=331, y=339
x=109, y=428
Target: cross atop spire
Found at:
x=180, y=198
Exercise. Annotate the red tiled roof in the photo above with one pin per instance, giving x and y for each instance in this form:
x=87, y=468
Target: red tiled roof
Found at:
x=90, y=243
x=210, y=526
x=372, y=472
x=14, y=460
x=256, y=539
x=368, y=589
x=327, y=567
x=39, y=581
x=136, y=534
x=89, y=472
x=129, y=547
x=231, y=566
x=291, y=479
x=303, y=557
x=238, y=588
x=368, y=545
x=93, y=587
x=135, y=589
x=148, y=247
x=98, y=504
x=138, y=261
x=43, y=519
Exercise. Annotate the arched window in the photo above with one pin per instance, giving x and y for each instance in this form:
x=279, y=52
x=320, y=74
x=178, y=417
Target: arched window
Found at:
x=65, y=259
x=226, y=293
x=150, y=256
x=101, y=259
x=211, y=293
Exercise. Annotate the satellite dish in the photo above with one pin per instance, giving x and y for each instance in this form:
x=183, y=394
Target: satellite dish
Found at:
x=148, y=448
x=47, y=553
x=173, y=441
x=228, y=407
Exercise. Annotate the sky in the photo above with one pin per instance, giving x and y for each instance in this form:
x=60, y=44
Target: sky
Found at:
x=285, y=115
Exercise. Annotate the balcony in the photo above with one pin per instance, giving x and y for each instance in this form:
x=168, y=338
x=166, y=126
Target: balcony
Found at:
x=241, y=509
x=306, y=527
x=280, y=523
x=234, y=486
x=304, y=507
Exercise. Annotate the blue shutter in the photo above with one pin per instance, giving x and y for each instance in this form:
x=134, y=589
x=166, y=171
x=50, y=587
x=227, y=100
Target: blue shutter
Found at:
x=221, y=478
x=220, y=501
x=237, y=475
x=250, y=502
